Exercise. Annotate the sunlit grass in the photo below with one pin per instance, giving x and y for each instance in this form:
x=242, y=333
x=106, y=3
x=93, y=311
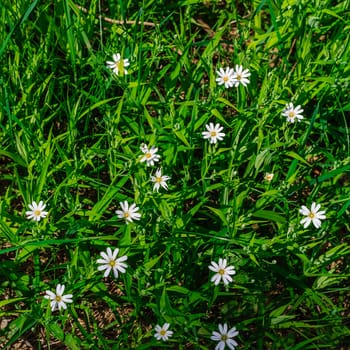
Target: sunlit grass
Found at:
x=73, y=135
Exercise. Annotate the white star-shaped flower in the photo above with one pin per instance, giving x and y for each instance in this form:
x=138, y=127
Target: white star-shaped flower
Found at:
x=292, y=113
x=225, y=77
x=268, y=176
x=118, y=64
x=150, y=155
x=213, y=133
x=159, y=180
x=163, y=332
x=224, y=337
x=223, y=272
x=128, y=213
x=313, y=215
x=240, y=76
x=110, y=262
x=58, y=300
x=37, y=211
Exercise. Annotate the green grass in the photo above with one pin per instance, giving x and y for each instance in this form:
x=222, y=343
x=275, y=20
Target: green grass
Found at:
x=70, y=136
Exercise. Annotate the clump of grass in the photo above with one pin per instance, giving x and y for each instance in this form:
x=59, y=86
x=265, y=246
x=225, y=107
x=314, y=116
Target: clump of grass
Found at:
x=157, y=233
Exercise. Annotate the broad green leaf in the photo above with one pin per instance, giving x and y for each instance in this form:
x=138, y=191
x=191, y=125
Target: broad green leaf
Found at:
x=219, y=213
x=110, y=194
x=270, y=215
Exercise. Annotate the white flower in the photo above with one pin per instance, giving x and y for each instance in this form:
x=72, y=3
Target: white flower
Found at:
x=110, y=262
x=240, y=76
x=150, y=155
x=222, y=272
x=37, y=211
x=128, y=213
x=118, y=64
x=268, y=176
x=292, y=113
x=162, y=332
x=160, y=180
x=314, y=215
x=213, y=133
x=225, y=77
x=224, y=337
x=58, y=300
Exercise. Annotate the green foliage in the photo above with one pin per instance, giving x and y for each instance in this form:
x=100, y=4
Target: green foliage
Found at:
x=71, y=132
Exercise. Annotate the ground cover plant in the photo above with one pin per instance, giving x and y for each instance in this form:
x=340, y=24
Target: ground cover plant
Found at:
x=174, y=174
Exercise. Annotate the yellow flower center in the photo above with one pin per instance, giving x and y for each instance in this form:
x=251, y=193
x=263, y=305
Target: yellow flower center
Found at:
x=225, y=79
x=126, y=214
x=239, y=77
x=162, y=332
x=291, y=114
x=118, y=64
x=221, y=272
x=148, y=155
x=311, y=215
x=112, y=263
x=37, y=212
x=58, y=298
x=224, y=337
x=213, y=133
x=159, y=179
